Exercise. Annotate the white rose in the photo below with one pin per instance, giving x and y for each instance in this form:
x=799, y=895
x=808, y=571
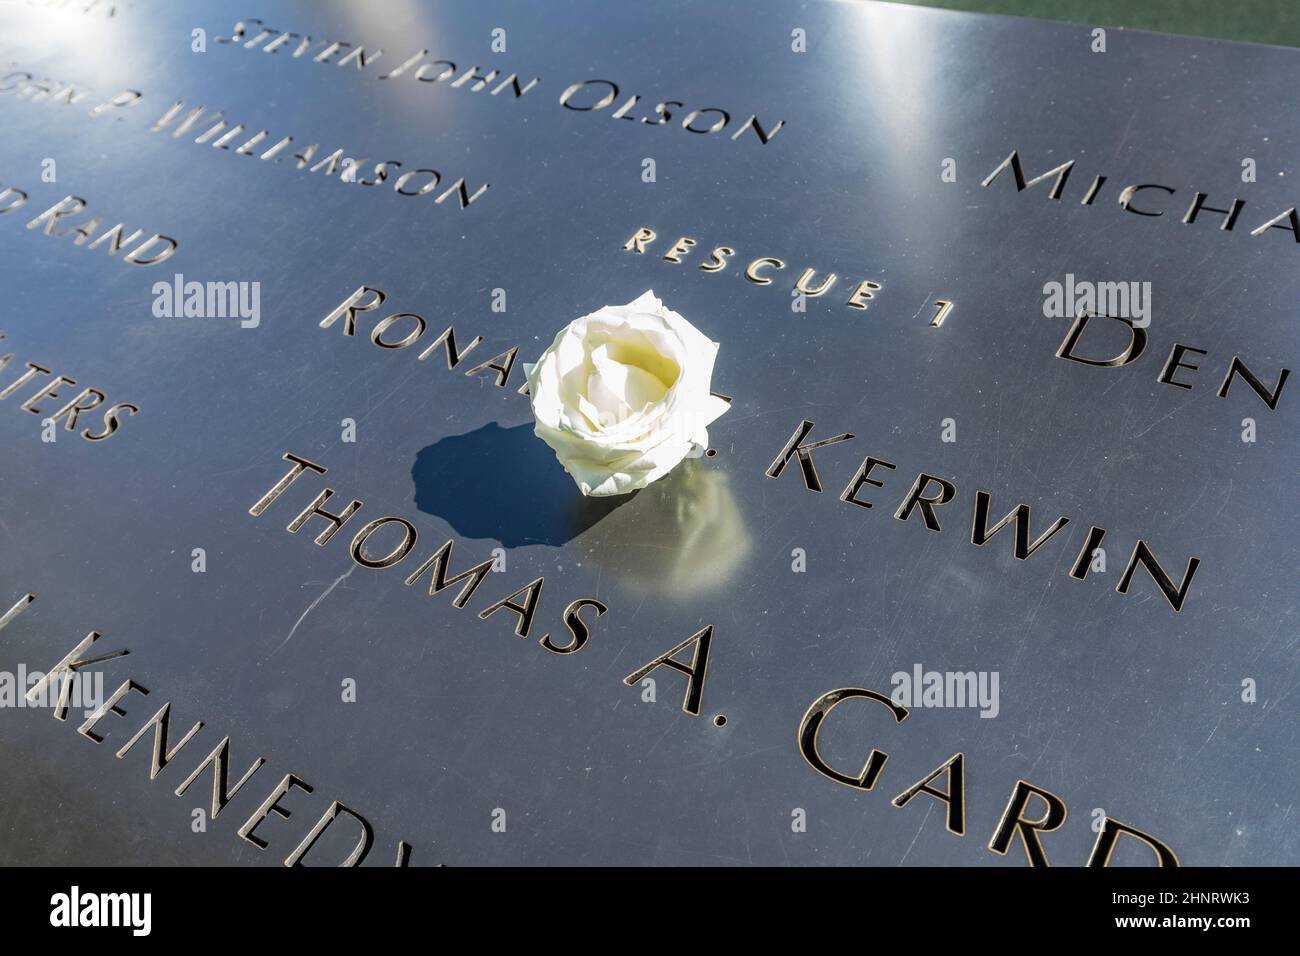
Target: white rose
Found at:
x=622, y=395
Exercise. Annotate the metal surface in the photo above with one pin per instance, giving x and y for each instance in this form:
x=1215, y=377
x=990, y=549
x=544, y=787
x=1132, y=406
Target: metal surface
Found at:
x=1114, y=702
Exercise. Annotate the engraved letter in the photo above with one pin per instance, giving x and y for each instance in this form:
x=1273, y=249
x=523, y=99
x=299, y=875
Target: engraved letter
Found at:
x=981, y=532
x=271, y=805
x=954, y=797
x=1013, y=822
x=300, y=465
x=1112, y=830
x=1061, y=172
x=358, y=853
x=812, y=723
x=1142, y=555
x=695, y=672
x=220, y=759
x=1136, y=343
x=793, y=447
x=351, y=306
x=917, y=497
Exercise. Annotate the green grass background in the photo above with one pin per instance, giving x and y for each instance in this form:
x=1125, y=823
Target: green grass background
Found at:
x=1259, y=21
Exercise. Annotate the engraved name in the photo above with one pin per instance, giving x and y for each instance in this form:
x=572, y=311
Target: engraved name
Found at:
x=399, y=537
x=1049, y=812
x=930, y=492
x=1178, y=366
x=157, y=731
x=69, y=412
x=211, y=128
x=401, y=330
x=1144, y=199
x=254, y=34
x=146, y=251
x=586, y=96
x=241, y=140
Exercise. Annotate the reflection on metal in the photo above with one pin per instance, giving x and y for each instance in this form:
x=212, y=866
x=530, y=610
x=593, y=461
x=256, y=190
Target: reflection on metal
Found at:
x=682, y=537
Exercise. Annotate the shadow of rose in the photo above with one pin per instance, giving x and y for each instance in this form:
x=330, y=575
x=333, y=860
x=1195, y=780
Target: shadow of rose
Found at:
x=681, y=536
x=505, y=484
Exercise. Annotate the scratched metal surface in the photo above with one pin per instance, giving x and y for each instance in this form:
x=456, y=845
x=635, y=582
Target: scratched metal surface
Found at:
x=1110, y=701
